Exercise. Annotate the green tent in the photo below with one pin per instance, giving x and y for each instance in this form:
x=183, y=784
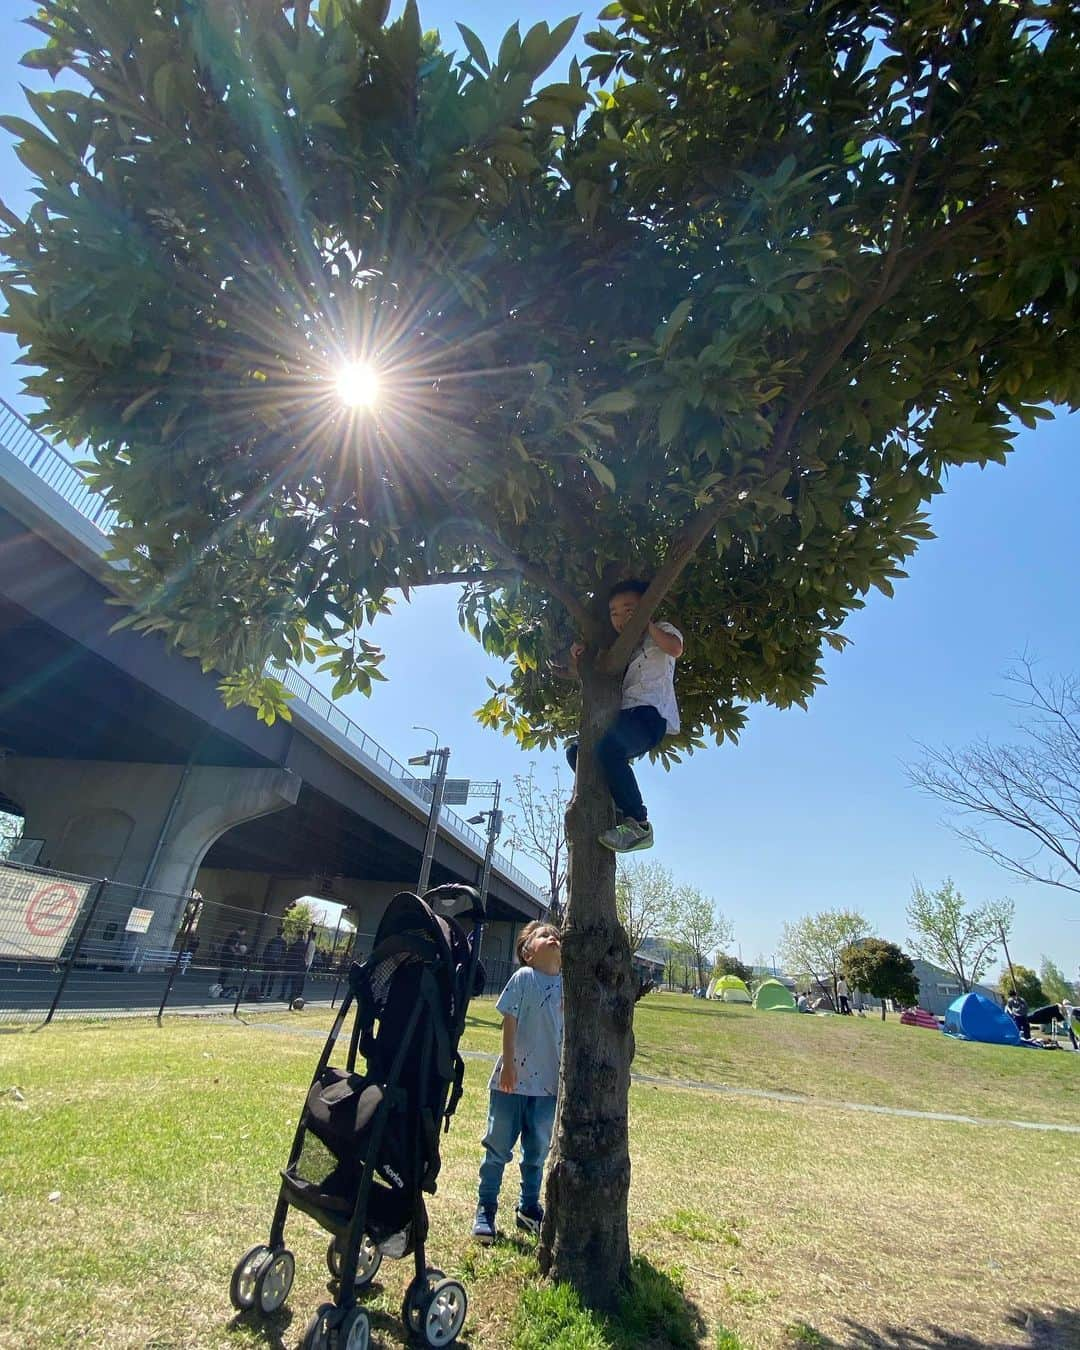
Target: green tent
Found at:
x=730, y=989
x=772, y=996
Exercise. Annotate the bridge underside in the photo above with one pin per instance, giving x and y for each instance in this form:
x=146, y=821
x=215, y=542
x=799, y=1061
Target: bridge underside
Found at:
x=62, y=701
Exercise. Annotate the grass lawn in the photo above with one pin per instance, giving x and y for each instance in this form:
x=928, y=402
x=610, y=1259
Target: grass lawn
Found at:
x=141, y=1162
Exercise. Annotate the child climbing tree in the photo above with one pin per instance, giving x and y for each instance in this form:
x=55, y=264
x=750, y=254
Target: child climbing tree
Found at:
x=721, y=309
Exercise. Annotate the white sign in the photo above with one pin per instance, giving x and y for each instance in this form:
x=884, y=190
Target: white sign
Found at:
x=138, y=921
x=37, y=912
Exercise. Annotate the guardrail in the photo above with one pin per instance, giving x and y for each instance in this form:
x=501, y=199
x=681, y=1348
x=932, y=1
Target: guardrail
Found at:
x=47, y=463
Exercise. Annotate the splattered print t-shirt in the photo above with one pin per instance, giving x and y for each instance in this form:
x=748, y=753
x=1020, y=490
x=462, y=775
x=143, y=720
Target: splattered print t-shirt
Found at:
x=536, y=1001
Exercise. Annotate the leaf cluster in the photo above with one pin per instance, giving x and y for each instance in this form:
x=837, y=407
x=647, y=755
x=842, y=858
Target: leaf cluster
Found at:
x=724, y=307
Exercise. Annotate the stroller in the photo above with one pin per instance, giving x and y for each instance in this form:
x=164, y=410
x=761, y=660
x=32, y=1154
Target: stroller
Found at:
x=367, y=1145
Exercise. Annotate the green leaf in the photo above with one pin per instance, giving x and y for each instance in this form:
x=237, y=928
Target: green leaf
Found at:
x=618, y=401
x=602, y=473
x=475, y=48
x=672, y=412
x=137, y=403
x=324, y=116
x=674, y=325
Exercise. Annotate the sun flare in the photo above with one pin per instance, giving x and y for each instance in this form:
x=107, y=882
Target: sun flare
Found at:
x=358, y=385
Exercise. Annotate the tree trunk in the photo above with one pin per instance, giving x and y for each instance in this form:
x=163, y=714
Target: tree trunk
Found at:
x=883, y=1007
x=585, y=1240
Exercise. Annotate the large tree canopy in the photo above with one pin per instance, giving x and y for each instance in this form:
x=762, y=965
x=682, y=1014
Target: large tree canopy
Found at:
x=722, y=308
x=791, y=264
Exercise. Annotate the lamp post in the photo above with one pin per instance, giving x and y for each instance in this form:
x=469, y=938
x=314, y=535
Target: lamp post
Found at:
x=494, y=819
x=439, y=756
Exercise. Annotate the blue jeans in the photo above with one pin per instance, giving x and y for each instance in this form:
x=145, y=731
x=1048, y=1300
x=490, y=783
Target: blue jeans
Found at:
x=511, y=1117
x=634, y=733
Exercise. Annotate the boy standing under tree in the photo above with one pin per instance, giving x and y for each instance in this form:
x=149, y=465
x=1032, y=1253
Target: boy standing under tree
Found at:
x=649, y=713
x=525, y=1080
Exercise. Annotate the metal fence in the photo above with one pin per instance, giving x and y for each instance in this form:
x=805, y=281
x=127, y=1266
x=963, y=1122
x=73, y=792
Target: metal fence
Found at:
x=32, y=449
x=73, y=946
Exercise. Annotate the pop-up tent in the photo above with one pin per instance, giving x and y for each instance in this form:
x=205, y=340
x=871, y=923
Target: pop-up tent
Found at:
x=971, y=1017
x=772, y=996
x=730, y=989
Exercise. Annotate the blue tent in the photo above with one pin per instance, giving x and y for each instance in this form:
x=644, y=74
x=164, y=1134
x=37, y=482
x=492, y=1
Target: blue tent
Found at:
x=971, y=1017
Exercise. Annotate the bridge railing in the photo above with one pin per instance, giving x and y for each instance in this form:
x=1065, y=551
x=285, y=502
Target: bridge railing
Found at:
x=32, y=449
x=47, y=463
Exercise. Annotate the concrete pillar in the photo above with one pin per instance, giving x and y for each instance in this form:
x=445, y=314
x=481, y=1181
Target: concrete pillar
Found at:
x=146, y=827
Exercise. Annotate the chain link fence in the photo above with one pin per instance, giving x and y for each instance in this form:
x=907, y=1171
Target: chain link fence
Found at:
x=86, y=946
x=74, y=946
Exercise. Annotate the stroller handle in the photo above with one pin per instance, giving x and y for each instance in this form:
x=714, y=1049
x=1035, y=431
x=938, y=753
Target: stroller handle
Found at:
x=449, y=898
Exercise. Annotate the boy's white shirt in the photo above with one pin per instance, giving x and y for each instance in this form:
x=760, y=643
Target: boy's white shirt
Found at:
x=649, y=681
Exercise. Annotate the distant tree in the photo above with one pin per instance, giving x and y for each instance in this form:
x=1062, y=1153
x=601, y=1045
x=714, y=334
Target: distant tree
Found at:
x=1026, y=982
x=11, y=828
x=644, y=900
x=538, y=829
x=881, y=969
x=1031, y=787
x=298, y=919
x=815, y=943
x=701, y=928
x=947, y=933
x=1054, y=984
x=731, y=965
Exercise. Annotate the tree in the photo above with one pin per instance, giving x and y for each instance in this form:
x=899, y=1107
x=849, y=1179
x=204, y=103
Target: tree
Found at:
x=1032, y=787
x=644, y=900
x=297, y=920
x=11, y=828
x=1025, y=981
x=731, y=965
x=947, y=933
x=539, y=830
x=881, y=969
x=700, y=927
x=1055, y=986
x=727, y=321
x=815, y=944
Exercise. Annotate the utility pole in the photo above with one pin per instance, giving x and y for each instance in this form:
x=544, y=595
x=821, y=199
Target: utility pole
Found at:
x=439, y=756
x=494, y=819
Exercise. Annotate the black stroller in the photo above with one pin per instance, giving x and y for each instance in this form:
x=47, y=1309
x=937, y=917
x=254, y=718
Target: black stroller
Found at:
x=367, y=1145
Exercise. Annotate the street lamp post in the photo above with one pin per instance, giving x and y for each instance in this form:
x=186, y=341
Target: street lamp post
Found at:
x=440, y=756
x=494, y=819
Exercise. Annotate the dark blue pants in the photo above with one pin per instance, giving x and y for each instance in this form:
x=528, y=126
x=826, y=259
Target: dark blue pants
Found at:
x=634, y=733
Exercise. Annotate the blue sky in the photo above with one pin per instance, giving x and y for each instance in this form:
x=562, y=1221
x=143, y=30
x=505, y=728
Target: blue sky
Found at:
x=812, y=810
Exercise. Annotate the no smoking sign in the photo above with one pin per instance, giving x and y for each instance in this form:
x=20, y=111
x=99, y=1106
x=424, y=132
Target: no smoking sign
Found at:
x=51, y=910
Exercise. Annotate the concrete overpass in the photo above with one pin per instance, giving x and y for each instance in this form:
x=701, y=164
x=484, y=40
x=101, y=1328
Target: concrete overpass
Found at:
x=123, y=760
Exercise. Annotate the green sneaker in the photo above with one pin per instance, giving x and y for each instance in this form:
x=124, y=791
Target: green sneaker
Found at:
x=629, y=837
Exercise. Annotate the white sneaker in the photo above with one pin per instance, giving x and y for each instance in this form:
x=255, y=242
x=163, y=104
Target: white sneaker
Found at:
x=629, y=837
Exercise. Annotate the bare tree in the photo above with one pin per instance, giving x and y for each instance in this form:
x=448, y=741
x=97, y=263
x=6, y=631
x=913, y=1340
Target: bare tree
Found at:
x=538, y=829
x=815, y=944
x=700, y=926
x=645, y=901
x=1032, y=786
x=947, y=933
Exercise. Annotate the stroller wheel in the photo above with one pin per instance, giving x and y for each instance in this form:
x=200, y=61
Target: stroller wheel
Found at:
x=242, y=1284
x=417, y=1297
x=274, y=1280
x=368, y=1261
x=445, y=1313
x=354, y=1332
x=316, y=1335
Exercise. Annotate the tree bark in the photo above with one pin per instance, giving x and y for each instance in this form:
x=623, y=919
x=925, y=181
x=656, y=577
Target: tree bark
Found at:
x=585, y=1239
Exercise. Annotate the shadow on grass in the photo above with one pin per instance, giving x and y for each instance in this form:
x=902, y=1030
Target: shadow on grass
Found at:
x=277, y=1332
x=654, y=1314
x=1053, y=1329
